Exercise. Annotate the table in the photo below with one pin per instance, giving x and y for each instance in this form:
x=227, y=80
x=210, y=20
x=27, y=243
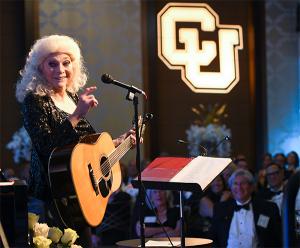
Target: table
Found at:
x=189, y=242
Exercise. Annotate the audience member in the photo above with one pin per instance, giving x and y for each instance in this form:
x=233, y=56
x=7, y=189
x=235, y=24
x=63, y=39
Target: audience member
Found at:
x=261, y=175
x=267, y=159
x=201, y=220
x=131, y=173
x=245, y=221
x=116, y=221
x=292, y=163
x=166, y=214
x=228, y=172
x=242, y=164
x=240, y=156
x=274, y=190
x=280, y=159
x=10, y=174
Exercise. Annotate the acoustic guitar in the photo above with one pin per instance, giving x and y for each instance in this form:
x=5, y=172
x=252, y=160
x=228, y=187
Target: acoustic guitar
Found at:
x=82, y=177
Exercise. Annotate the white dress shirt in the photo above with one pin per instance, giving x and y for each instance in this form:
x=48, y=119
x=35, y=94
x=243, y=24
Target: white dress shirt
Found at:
x=242, y=233
x=278, y=199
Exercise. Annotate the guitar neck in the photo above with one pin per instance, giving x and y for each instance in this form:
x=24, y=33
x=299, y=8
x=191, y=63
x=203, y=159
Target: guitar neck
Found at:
x=120, y=151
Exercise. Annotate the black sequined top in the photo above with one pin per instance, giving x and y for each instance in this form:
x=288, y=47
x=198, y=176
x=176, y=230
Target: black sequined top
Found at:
x=48, y=127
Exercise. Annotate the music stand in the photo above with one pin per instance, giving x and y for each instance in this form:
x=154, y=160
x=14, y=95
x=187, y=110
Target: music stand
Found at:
x=181, y=174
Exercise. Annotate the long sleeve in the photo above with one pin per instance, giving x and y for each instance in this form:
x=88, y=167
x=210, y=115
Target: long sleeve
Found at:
x=46, y=128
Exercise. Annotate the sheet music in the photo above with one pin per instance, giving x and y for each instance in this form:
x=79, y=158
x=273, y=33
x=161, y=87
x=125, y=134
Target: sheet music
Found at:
x=7, y=183
x=154, y=243
x=201, y=170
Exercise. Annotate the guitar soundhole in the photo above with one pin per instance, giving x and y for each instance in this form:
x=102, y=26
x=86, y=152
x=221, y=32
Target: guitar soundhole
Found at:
x=106, y=182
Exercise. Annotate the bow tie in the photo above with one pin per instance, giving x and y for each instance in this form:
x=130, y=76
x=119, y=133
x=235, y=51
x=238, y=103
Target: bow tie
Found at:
x=239, y=207
x=276, y=192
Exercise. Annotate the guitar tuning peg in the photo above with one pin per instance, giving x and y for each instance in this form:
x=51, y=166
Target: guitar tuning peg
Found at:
x=147, y=117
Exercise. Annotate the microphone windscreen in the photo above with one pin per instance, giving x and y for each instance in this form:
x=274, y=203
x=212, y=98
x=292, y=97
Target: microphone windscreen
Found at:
x=106, y=78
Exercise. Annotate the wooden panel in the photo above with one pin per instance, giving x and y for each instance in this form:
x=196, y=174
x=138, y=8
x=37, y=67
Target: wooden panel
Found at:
x=12, y=59
x=18, y=31
x=170, y=100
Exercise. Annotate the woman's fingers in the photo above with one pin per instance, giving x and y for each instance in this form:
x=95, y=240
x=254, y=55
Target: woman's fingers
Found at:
x=86, y=101
x=87, y=97
x=133, y=139
x=89, y=90
x=91, y=99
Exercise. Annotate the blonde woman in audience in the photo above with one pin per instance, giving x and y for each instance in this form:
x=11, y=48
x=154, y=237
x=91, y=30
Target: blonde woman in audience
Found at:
x=166, y=214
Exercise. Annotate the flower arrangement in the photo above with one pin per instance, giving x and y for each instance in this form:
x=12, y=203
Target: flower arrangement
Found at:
x=207, y=131
x=20, y=145
x=45, y=237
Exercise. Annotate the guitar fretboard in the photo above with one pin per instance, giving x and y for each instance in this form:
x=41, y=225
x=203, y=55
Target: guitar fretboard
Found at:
x=116, y=155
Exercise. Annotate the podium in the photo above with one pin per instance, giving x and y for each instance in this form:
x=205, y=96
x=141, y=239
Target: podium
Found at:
x=181, y=174
x=13, y=213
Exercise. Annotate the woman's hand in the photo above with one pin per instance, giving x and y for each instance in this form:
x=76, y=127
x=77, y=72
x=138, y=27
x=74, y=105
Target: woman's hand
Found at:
x=86, y=101
x=225, y=195
x=122, y=137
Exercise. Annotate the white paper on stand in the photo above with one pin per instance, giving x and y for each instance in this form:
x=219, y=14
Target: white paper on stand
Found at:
x=155, y=243
x=201, y=170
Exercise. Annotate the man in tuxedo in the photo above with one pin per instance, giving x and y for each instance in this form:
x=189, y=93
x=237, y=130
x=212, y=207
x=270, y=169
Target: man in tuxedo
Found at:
x=274, y=191
x=245, y=221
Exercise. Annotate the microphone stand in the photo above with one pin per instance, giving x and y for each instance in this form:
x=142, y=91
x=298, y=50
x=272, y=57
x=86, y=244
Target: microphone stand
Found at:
x=182, y=232
x=211, y=151
x=131, y=96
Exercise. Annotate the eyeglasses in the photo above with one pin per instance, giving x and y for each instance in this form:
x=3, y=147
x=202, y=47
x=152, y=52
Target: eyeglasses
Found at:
x=274, y=173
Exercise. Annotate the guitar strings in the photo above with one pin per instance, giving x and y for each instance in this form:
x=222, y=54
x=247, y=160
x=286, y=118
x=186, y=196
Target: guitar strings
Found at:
x=123, y=148
x=118, y=153
x=114, y=157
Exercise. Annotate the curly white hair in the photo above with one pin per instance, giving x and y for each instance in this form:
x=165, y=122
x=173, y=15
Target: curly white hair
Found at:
x=32, y=80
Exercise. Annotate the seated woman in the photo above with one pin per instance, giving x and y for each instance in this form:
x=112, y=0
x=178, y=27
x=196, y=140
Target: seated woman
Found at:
x=261, y=175
x=166, y=214
x=292, y=163
x=201, y=216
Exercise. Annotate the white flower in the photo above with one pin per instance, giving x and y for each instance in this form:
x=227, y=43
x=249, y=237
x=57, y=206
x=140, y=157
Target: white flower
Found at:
x=211, y=137
x=76, y=246
x=20, y=145
x=41, y=242
x=32, y=220
x=55, y=234
x=41, y=229
x=69, y=236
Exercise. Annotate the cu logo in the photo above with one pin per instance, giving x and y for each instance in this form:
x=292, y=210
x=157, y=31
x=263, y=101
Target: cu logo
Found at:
x=180, y=28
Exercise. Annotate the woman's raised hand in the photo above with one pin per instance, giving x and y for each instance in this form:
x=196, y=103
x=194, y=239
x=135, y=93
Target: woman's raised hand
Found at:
x=86, y=101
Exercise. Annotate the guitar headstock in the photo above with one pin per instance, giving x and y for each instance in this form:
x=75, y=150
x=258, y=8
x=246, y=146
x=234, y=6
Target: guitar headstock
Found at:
x=143, y=119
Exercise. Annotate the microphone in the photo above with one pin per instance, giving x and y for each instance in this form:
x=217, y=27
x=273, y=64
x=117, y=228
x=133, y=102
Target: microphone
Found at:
x=226, y=138
x=107, y=79
x=204, y=150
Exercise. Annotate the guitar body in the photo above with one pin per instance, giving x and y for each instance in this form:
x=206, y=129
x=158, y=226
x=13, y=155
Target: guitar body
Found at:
x=82, y=178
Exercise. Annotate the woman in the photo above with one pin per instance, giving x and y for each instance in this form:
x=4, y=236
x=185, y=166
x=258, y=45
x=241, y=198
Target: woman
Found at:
x=202, y=207
x=292, y=163
x=162, y=214
x=53, y=113
x=261, y=176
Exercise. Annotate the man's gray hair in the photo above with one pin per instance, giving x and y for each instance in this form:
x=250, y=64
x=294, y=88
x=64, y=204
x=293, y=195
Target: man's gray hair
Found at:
x=241, y=172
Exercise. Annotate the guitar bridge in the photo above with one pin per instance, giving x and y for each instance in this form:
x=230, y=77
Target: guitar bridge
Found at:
x=93, y=179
